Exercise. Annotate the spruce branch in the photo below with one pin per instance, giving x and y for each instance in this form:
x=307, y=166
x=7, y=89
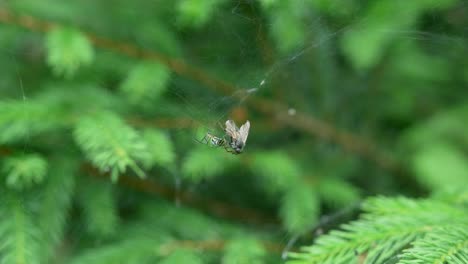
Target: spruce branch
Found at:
x=130, y=251
x=23, y=171
x=208, y=245
x=445, y=245
x=20, y=120
x=68, y=49
x=214, y=207
x=145, y=83
x=257, y=247
x=196, y=13
x=278, y=171
x=244, y=250
x=300, y=209
x=456, y=194
x=19, y=241
x=55, y=202
x=387, y=227
x=336, y=192
x=160, y=147
x=97, y=199
x=182, y=256
x=199, y=164
x=111, y=144
x=305, y=122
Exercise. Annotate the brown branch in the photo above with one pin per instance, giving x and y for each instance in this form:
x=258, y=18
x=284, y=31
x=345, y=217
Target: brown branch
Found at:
x=210, y=245
x=300, y=121
x=217, y=208
x=347, y=140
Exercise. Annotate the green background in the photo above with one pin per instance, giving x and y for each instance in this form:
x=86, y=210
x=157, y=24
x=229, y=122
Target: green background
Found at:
x=100, y=103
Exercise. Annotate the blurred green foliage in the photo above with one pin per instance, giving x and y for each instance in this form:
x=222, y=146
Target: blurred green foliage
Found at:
x=68, y=50
x=145, y=83
x=24, y=171
x=102, y=105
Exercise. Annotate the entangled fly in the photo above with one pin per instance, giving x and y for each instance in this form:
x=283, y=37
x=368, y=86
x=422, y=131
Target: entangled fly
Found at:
x=233, y=141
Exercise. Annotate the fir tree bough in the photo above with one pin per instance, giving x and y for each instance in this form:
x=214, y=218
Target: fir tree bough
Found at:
x=24, y=170
x=395, y=228
x=19, y=241
x=111, y=144
x=68, y=50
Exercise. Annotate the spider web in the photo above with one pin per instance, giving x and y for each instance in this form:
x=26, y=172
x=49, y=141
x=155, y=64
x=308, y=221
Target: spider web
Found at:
x=210, y=110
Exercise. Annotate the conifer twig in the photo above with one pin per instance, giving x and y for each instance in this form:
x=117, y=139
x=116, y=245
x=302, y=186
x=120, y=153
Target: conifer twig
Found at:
x=214, y=207
x=217, y=208
x=300, y=121
x=209, y=245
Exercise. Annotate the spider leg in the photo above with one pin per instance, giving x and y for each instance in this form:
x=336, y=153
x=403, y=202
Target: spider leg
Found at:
x=221, y=126
x=204, y=140
x=230, y=150
x=199, y=141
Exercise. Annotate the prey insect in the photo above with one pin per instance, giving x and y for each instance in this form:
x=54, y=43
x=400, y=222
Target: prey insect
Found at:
x=234, y=139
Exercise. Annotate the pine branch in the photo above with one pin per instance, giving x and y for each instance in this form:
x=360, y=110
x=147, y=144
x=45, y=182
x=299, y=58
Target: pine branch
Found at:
x=99, y=207
x=186, y=228
x=401, y=206
x=167, y=249
x=440, y=165
x=182, y=256
x=457, y=195
x=68, y=50
x=155, y=233
x=214, y=207
x=278, y=171
x=160, y=147
x=130, y=251
x=384, y=230
x=300, y=209
x=151, y=187
x=256, y=250
x=445, y=245
x=199, y=164
x=145, y=83
x=301, y=121
x=20, y=120
x=195, y=231
x=111, y=144
x=196, y=13
x=244, y=251
x=336, y=192
x=24, y=171
x=215, y=245
x=19, y=242
x=56, y=197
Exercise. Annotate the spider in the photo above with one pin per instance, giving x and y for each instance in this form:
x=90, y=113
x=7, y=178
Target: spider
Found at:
x=234, y=140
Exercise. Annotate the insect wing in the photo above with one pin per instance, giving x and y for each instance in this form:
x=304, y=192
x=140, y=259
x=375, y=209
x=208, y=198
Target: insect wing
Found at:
x=232, y=130
x=244, y=131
